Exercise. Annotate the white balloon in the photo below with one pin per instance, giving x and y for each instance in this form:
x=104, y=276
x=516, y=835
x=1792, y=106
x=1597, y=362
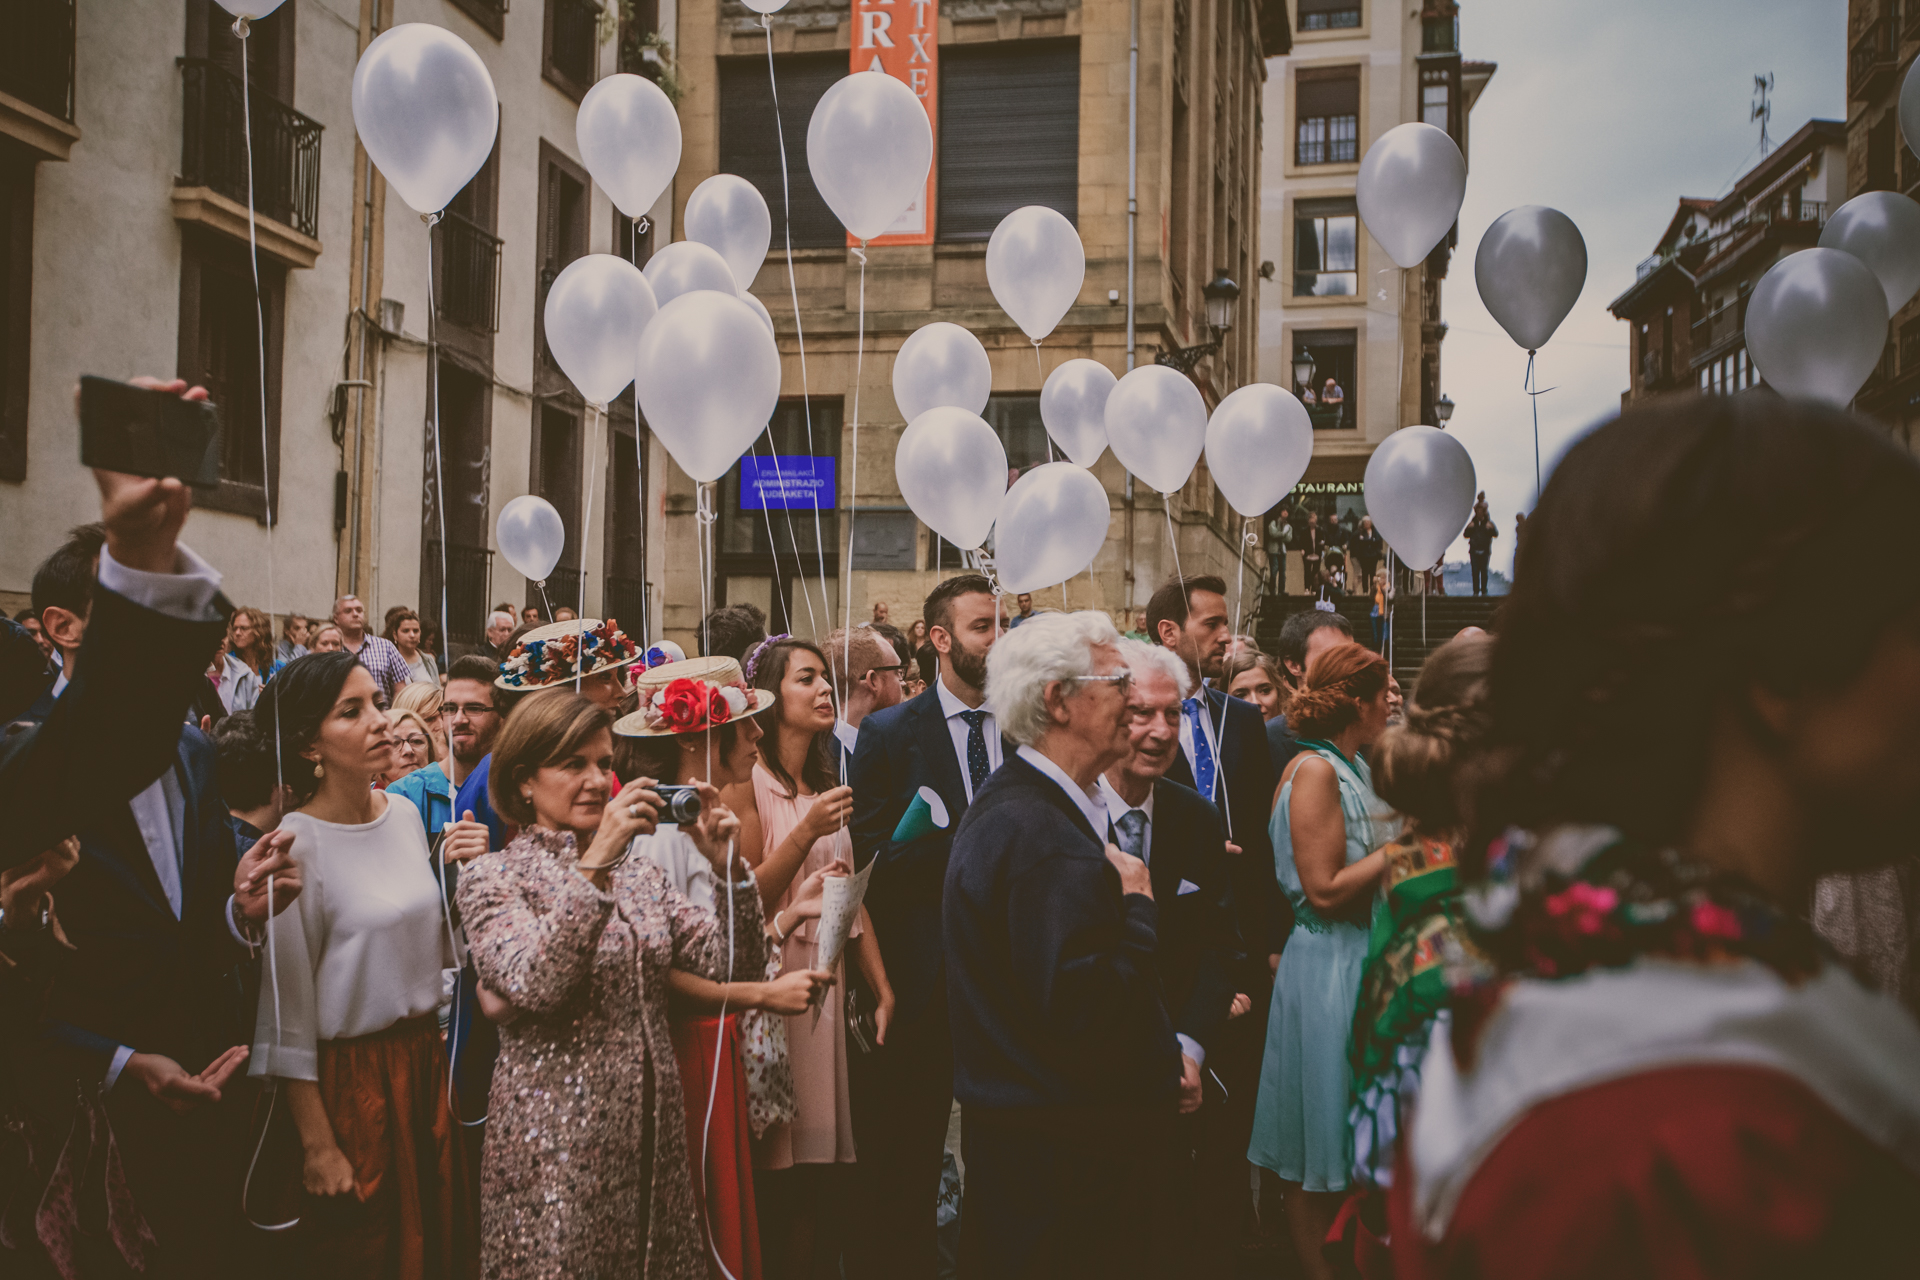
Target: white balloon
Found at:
x=683, y=267
x=595, y=313
x=1157, y=425
x=254, y=10
x=759, y=309
x=1529, y=269
x=869, y=147
x=1816, y=324
x=952, y=470
x=708, y=377
x=531, y=536
x=1419, y=490
x=941, y=364
x=1052, y=524
x=729, y=215
x=1411, y=183
x=1035, y=267
x=765, y=6
x=1259, y=442
x=1910, y=108
x=1882, y=229
x=1073, y=404
x=629, y=138
x=426, y=112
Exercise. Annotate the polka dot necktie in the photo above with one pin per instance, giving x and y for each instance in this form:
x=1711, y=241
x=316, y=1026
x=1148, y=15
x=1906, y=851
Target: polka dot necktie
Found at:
x=977, y=766
x=1203, y=766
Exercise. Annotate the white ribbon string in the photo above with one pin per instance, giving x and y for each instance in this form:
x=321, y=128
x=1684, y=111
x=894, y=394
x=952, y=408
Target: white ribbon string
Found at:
x=586, y=523
x=853, y=472
x=433, y=423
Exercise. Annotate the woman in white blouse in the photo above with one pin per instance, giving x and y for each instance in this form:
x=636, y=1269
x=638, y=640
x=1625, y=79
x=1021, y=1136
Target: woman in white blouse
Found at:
x=350, y=994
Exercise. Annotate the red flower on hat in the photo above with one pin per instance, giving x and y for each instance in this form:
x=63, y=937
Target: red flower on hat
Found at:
x=687, y=705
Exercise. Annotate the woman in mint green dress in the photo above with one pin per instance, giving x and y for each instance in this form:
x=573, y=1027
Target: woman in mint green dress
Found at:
x=1327, y=825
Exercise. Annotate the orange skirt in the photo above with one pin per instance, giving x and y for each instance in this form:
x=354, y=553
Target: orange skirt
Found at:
x=414, y=1214
x=723, y=1190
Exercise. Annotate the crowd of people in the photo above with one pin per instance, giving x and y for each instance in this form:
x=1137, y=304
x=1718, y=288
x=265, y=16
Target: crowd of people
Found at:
x=324, y=960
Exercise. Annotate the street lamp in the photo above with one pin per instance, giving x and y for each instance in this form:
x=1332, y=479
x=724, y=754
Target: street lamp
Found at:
x=1220, y=293
x=1303, y=368
x=1443, y=409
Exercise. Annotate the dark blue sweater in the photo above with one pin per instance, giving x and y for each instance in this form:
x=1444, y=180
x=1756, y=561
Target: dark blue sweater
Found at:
x=1052, y=989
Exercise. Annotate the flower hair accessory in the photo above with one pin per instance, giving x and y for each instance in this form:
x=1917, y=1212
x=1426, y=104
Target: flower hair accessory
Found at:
x=548, y=656
x=753, y=659
x=688, y=706
x=691, y=696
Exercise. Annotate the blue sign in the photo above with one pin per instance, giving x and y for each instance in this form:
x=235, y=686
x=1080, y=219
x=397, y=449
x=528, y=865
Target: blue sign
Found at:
x=787, y=482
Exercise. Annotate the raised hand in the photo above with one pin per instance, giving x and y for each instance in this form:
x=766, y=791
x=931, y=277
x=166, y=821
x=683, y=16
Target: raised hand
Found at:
x=270, y=857
x=832, y=811
x=178, y=1091
x=143, y=515
x=465, y=840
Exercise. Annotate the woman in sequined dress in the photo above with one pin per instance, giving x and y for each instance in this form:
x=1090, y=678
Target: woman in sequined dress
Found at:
x=587, y=1172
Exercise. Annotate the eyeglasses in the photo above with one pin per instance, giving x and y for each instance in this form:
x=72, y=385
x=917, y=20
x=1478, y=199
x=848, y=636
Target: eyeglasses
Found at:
x=471, y=710
x=414, y=741
x=1123, y=679
x=898, y=669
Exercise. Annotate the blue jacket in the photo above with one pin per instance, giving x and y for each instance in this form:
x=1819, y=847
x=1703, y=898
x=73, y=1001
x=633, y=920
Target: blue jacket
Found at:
x=431, y=792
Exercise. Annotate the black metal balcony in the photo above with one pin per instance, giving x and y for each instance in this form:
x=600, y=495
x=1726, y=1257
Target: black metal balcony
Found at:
x=1872, y=62
x=563, y=588
x=286, y=147
x=467, y=573
x=626, y=602
x=574, y=50
x=466, y=270
x=1714, y=335
x=36, y=57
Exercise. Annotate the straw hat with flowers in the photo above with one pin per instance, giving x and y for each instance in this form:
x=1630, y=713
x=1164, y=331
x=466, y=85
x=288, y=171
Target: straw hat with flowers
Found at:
x=692, y=696
x=546, y=657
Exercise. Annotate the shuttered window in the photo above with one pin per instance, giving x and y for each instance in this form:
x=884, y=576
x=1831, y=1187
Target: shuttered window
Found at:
x=750, y=147
x=1009, y=134
x=1327, y=116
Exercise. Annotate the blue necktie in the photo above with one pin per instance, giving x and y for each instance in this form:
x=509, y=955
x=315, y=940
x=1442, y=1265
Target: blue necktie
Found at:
x=1130, y=833
x=1203, y=766
x=977, y=765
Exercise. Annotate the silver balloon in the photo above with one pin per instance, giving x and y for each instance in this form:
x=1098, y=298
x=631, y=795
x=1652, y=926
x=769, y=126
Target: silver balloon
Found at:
x=425, y=109
x=1419, y=490
x=729, y=215
x=1157, y=425
x=941, y=364
x=1910, y=108
x=869, y=147
x=1035, y=267
x=1259, y=442
x=531, y=536
x=1411, y=183
x=1530, y=268
x=1053, y=523
x=1073, y=405
x=708, y=377
x=765, y=6
x=683, y=266
x=1882, y=229
x=629, y=136
x=952, y=471
x=251, y=9
x=1816, y=325
x=596, y=311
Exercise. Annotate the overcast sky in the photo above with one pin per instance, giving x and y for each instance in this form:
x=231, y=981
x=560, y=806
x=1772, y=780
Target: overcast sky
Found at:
x=1609, y=113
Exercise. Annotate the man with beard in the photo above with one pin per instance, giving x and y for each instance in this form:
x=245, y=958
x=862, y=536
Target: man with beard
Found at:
x=916, y=768
x=471, y=722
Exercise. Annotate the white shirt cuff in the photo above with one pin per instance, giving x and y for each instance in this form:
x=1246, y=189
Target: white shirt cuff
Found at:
x=187, y=593
x=120, y=1057
x=1191, y=1047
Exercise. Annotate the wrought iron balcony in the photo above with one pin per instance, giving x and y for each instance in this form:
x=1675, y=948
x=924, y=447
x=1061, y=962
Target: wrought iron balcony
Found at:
x=575, y=48
x=468, y=570
x=467, y=273
x=625, y=602
x=286, y=147
x=36, y=57
x=1872, y=62
x=563, y=588
x=1714, y=334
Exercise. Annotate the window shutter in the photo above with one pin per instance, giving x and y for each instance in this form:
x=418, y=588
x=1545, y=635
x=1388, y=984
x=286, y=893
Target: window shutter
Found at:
x=750, y=147
x=1009, y=134
x=1335, y=93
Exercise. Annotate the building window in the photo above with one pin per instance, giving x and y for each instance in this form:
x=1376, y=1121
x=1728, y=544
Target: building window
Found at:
x=1329, y=15
x=220, y=348
x=16, y=306
x=751, y=149
x=554, y=474
x=490, y=15
x=465, y=441
x=1327, y=116
x=775, y=547
x=570, y=45
x=1433, y=105
x=1009, y=134
x=625, y=597
x=1440, y=35
x=466, y=272
x=1881, y=146
x=1325, y=248
x=564, y=204
x=1329, y=397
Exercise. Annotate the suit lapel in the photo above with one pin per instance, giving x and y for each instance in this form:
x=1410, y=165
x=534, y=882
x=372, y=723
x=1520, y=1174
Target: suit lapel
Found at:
x=193, y=859
x=936, y=744
x=1168, y=821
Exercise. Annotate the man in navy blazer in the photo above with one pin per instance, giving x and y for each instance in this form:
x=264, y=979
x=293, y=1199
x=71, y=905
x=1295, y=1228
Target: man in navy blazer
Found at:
x=1064, y=1055
x=944, y=743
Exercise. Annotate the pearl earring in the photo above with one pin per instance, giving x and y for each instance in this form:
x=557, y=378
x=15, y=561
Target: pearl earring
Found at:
x=318, y=772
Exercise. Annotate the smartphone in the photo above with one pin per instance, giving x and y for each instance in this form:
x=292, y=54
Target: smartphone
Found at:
x=148, y=433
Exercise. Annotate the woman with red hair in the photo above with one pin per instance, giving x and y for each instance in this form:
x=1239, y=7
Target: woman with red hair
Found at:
x=1327, y=828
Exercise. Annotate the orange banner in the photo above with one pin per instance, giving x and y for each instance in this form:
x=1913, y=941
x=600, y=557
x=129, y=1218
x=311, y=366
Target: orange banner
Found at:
x=902, y=38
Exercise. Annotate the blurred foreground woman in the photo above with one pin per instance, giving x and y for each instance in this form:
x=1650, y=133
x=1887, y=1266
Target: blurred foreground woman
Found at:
x=1657, y=1070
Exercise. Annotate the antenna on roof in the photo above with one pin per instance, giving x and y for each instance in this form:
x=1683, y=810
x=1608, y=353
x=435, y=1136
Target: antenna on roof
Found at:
x=1763, y=109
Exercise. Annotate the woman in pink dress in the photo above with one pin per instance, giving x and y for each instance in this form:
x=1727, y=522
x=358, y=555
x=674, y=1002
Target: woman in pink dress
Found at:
x=796, y=825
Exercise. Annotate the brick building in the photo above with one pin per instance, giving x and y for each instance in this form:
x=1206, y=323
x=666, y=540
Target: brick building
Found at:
x=1880, y=49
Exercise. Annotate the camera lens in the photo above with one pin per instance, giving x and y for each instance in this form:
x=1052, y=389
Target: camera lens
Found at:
x=683, y=806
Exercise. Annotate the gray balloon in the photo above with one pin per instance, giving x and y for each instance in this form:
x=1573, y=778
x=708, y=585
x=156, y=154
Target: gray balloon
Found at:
x=1530, y=269
x=1882, y=229
x=1419, y=489
x=1910, y=108
x=1816, y=324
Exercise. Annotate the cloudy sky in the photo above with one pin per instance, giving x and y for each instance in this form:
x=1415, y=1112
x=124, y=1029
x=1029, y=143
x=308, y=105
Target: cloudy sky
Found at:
x=1609, y=113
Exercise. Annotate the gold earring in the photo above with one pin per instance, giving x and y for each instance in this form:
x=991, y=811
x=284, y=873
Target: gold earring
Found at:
x=318, y=772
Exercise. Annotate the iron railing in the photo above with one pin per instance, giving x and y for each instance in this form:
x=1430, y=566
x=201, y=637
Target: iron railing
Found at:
x=467, y=273
x=1711, y=332
x=1872, y=61
x=286, y=147
x=563, y=588
x=576, y=40
x=467, y=571
x=36, y=57
x=1782, y=210
x=626, y=603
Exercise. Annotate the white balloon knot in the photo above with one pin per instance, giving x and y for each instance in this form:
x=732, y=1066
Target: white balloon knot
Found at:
x=642, y=225
x=860, y=253
x=241, y=27
x=431, y=219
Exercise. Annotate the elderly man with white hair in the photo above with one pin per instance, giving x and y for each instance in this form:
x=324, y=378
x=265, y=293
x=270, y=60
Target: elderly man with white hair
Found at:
x=1064, y=1056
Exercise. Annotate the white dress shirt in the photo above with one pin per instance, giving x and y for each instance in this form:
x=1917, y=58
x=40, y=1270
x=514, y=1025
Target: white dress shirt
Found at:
x=1089, y=802
x=951, y=707
x=1116, y=809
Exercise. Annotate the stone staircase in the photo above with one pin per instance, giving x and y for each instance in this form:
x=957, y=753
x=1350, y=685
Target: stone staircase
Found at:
x=1446, y=616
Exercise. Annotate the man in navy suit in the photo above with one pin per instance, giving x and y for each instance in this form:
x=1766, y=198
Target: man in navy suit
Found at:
x=866, y=674
x=148, y=1011
x=1064, y=1056
x=945, y=742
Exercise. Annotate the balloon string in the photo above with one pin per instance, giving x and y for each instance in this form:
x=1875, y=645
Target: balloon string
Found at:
x=853, y=472
x=586, y=523
x=640, y=228
x=1166, y=505
x=433, y=423
x=1529, y=386
x=799, y=330
x=240, y=29
x=1042, y=373
x=1240, y=577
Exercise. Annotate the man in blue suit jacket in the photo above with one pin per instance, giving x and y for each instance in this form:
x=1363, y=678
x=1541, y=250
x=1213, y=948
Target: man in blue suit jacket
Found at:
x=944, y=743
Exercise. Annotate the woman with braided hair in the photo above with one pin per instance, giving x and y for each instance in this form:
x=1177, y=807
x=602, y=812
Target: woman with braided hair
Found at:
x=1327, y=829
x=1654, y=1067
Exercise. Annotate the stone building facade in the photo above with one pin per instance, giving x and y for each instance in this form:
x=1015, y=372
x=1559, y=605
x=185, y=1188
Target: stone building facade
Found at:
x=1883, y=36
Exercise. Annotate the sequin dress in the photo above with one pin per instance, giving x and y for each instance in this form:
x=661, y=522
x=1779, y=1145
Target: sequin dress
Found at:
x=586, y=1171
